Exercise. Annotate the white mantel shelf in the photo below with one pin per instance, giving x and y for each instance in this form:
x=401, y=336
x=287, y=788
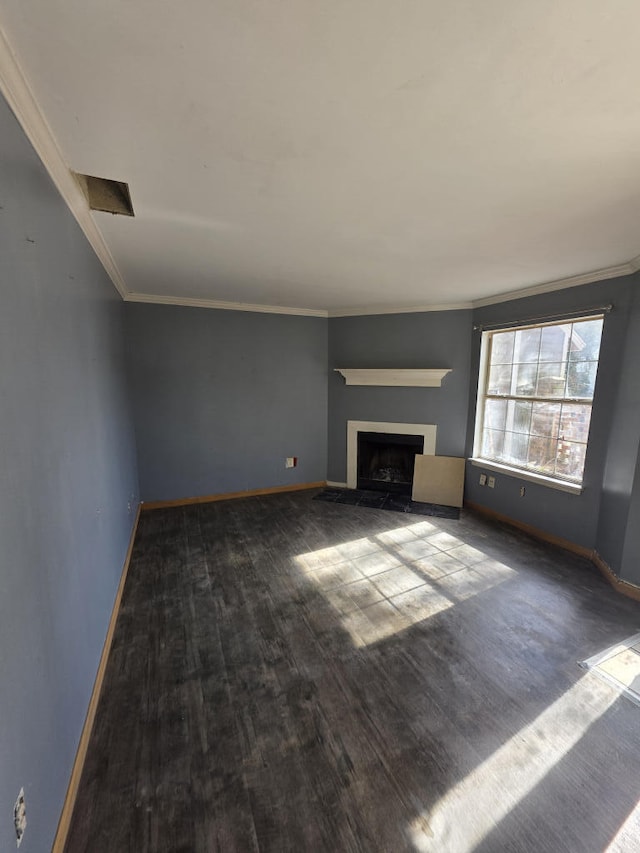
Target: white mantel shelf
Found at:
x=421, y=378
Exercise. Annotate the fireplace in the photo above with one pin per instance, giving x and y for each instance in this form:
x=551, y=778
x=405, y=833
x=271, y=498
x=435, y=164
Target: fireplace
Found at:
x=386, y=461
x=411, y=434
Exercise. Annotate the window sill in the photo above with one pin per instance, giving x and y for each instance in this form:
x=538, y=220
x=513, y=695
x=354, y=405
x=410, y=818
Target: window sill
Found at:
x=529, y=476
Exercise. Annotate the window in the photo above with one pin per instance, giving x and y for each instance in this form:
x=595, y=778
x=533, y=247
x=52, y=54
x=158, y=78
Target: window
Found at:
x=535, y=395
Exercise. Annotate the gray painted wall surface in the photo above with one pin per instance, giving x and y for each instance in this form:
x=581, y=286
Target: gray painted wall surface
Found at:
x=429, y=339
x=222, y=397
x=67, y=462
x=572, y=517
x=630, y=568
x=618, y=539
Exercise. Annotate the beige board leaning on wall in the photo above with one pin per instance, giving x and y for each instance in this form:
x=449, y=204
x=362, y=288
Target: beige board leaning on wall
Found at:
x=438, y=480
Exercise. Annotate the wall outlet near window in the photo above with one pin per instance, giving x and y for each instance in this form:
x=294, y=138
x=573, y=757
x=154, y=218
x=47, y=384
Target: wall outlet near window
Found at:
x=492, y=482
x=523, y=491
x=483, y=479
x=291, y=462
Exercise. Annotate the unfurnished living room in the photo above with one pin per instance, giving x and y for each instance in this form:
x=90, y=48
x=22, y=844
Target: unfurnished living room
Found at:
x=320, y=426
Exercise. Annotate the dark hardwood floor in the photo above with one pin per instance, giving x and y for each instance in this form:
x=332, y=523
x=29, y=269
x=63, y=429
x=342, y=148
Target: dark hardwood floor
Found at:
x=292, y=675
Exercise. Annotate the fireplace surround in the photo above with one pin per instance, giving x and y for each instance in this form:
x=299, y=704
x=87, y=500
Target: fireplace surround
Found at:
x=427, y=432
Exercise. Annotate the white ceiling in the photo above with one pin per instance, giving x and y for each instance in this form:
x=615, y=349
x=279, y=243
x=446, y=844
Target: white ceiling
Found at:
x=343, y=154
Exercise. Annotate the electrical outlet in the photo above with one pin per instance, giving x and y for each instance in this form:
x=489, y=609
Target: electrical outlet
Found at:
x=291, y=462
x=492, y=482
x=522, y=491
x=483, y=479
x=20, y=817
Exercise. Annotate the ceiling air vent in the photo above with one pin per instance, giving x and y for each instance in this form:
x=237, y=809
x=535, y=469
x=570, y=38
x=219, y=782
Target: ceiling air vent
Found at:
x=106, y=195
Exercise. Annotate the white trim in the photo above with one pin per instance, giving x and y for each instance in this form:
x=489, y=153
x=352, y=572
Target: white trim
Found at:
x=388, y=377
x=529, y=476
x=367, y=311
x=562, y=283
x=480, y=395
x=427, y=431
x=616, y=271
x=20, y=97
x=187, y=302
x=481, y=398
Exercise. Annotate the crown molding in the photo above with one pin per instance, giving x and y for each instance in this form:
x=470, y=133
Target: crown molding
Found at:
x=19, y=95
x=562, y=283
x=615, y=271
x=187, y=302
x=21, y=99
x=390, y=309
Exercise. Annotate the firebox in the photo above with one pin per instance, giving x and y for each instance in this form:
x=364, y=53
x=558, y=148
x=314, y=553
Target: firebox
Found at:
x=386, y=461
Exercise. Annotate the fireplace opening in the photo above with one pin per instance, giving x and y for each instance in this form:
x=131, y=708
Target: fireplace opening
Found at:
x=386, y=460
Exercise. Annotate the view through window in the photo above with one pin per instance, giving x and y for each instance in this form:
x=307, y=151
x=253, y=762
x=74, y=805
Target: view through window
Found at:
x=535, y=396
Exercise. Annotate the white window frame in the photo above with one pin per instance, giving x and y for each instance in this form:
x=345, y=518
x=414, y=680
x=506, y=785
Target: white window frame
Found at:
x=521, y=473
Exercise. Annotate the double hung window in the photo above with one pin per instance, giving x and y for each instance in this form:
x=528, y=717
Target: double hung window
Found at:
x=535, y=395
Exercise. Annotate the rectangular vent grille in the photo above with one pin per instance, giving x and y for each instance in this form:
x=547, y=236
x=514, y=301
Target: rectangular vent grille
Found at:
x=106, y=195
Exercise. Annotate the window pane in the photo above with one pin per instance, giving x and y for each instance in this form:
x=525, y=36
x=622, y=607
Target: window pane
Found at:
x=545, y=419
x=495, y=414
x=542, y=454
x=516, y=447
x=492, y=444
x=527, y=345
x=574, y=423
x=525, y=379
x=502, y=347
x=518, y=416
x=585, y=340
x=499, y=379
x=554, y=342
x=551, y=379
x=556, y=363
x=570, y=461
x=581, y=379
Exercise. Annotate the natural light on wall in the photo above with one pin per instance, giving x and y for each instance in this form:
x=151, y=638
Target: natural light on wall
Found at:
x=384, y=584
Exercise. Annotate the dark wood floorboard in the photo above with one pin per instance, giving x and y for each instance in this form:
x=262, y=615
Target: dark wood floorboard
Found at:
x=293, y=675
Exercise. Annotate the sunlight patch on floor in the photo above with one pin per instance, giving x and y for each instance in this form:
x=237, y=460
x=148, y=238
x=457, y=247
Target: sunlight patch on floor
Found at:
x=384, y=584
x=620, y=666
x=626, y=838
x=471, y=809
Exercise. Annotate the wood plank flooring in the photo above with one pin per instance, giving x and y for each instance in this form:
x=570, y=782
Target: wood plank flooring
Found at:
x=292, y=675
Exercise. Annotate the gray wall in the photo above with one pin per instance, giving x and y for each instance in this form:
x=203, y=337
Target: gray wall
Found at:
x=67, y=462
x=618, y=539
x=572, y=517
x=630, y=565
x=222, y=397
x=429, y=339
